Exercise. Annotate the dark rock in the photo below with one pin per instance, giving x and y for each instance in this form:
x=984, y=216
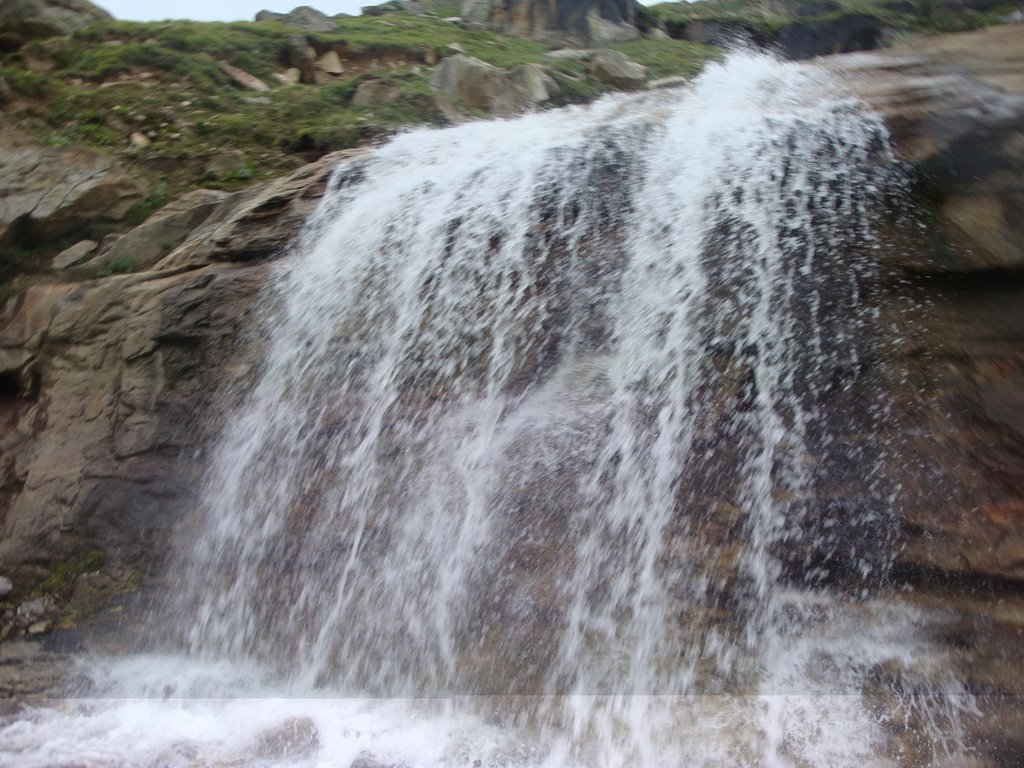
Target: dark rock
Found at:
x=24, y=20
x=805, y=40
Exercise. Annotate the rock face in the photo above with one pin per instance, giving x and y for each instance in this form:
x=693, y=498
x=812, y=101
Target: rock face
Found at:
x=45, y=193
x=160, y=233
x=100, y=380
x=493, y=90
x=24, y=20
x=576, y=21
x=955, y=298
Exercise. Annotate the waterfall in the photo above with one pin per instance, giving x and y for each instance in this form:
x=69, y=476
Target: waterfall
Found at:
x=566, y=434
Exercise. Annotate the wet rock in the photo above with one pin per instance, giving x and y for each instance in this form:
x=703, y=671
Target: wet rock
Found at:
x=368, y=760
x=295, y=738
x=617, y=69
x=243, y=79
x=49, y=192
x=667, y=82
x=78, y=252
x=854, y=32
x=955, y=107
x=261, y=221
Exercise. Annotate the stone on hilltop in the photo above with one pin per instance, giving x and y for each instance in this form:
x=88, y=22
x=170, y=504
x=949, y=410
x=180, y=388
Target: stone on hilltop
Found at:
x=24, y=20
x=580, y=22
x=303, y=17
x=485, y=87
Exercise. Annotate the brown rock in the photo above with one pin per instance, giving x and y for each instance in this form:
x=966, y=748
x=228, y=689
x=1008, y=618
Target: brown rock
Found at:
x=260, y=221
x=955, y=107
x=160, y=233
x=330, y=63
x=75, y=254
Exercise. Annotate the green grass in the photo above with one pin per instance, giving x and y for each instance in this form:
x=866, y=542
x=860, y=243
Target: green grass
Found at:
x=669, y=57
x=99, y=86
x=63, y=575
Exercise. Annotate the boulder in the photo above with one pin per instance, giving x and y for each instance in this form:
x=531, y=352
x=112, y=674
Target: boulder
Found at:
x=243, y=79
x=24, y=20
x=493, y=90
x=617, y=69
x=374, y=92
x=579, y=22
x=45, y=193
x=303, y=17
x=330, y=63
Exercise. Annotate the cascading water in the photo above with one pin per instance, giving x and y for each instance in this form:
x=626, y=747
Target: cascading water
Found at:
x=562, y=453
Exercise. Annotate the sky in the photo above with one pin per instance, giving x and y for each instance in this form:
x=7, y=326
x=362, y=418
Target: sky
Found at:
x=221, y=10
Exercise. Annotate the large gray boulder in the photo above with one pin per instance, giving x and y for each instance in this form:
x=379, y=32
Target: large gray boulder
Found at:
x=617, y=69
x=303, y=17
x=24, y=20
x=493, y=90
x=580, y=22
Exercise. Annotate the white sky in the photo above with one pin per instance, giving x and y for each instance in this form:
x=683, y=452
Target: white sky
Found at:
x=219, y=10
x=223, y=10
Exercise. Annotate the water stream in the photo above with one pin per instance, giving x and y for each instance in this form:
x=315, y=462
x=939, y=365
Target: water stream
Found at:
x=562, y=454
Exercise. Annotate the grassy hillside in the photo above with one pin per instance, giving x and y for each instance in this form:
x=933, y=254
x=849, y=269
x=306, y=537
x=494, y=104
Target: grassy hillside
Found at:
x=165, y=80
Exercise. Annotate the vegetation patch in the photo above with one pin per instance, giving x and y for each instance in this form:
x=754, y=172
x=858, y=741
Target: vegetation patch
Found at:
x=63, y=575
